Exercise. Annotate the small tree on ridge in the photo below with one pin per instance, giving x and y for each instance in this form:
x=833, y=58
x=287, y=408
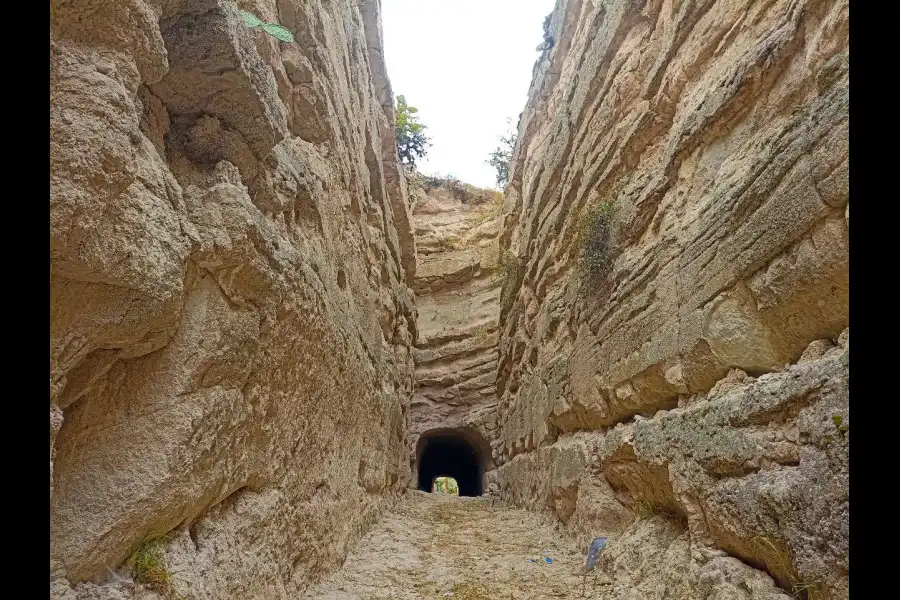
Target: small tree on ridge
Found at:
x=502, y=156
x=411, y=139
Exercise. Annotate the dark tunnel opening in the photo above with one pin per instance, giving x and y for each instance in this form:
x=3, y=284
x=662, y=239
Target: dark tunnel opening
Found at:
x=455, y=453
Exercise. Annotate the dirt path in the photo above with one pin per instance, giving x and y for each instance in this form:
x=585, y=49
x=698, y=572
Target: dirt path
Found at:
x=438, y=546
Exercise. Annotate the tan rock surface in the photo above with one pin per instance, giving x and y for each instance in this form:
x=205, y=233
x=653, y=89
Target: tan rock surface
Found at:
x=659, y=381
x=231, y=326
x=719, y=131
x=238, y=364
x=652, y=559
x=755, y=469
x=457, y=286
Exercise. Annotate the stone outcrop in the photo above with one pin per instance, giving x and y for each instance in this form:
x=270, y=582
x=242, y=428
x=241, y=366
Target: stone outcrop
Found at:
x=457, y=288
x=754, y=469
x=231, y=322
x=701, y=147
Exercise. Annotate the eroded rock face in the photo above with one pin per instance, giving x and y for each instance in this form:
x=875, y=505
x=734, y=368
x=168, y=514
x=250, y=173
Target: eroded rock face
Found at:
x=661, y=550
x=231, y=322
x=756, y=469
x=457, y=287
x=719, y=132
x=713, y=136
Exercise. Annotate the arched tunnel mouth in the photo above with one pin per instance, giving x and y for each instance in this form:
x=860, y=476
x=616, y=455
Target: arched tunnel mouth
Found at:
x=461, y=454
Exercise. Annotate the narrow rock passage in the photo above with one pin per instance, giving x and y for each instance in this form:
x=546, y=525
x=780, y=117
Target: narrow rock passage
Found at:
x=440, y=546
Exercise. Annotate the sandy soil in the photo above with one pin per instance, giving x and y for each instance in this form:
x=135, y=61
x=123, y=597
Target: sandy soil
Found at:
x=439, y=546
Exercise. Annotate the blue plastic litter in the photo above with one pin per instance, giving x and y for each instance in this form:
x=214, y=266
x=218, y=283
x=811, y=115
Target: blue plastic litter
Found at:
x=594, y=552
x=548, y=560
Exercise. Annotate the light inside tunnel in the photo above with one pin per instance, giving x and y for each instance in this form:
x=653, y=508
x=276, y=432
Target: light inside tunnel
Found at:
x=456, y=453
x=445, y=485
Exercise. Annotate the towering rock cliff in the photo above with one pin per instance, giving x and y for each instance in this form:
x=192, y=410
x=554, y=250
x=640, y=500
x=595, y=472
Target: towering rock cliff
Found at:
x=674, y=341
x=457, y=288
x=231, y=322
x=650, y=340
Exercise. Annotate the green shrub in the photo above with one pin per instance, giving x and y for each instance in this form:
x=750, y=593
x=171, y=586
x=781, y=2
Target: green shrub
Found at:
x=148, y=564
x=596, y=236
x=502, y=156
x=411, y=139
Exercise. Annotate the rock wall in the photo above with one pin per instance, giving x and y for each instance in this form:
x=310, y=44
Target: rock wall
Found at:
x=457, y=287
x=678, y=216
x=231, y=325
x=755, y=469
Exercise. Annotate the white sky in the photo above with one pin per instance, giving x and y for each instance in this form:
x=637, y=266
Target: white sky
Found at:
x=466, y=65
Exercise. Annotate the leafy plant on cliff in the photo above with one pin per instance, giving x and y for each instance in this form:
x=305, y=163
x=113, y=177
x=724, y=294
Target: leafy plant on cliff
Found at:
x=275, y=30
x=502, y=156
x=839, y=425
x=840, y=428
x=411, y=139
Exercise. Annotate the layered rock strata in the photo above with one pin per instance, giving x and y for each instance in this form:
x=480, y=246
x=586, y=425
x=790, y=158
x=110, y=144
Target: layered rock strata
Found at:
x=678, y=220
x=755, y=469
x=231, y=325
x=457, y=287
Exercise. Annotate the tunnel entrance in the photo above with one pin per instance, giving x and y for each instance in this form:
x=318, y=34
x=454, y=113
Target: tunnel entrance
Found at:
x=458, y=453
